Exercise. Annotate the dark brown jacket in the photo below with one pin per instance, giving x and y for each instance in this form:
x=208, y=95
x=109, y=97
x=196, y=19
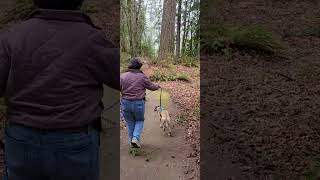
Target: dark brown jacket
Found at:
x=134, y=84
x=52, y=70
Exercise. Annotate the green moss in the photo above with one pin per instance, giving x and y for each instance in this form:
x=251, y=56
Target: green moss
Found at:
x=220, y=38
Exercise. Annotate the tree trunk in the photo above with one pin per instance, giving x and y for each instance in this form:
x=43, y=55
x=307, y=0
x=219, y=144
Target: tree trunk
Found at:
x=188, y=27
x=129, y=13
x=131, y=27
x=124, y=42
x=184, y=27
x=191, y=40
x=139, y=25
x=178, y=38
x=167, y=29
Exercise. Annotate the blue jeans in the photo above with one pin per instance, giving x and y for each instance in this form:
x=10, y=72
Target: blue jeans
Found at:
x=34, y=155
x=133, y=112
x=121, y=113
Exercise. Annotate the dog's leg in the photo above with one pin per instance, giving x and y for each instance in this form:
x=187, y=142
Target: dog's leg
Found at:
x=160, y=119
x=163, y=125
x=171, y=124
x=168, y=120
x=160, y=123
x=169, y=128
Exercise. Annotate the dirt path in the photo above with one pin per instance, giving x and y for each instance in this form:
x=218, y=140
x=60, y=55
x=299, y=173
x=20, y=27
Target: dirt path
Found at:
x=166, y=155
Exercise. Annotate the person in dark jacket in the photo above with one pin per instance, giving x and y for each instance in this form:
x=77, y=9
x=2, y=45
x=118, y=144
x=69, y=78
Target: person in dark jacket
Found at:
x=52, y=70
x=133, y=91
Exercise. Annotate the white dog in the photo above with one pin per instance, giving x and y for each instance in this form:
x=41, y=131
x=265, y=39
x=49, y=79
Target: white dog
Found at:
x=165, y=121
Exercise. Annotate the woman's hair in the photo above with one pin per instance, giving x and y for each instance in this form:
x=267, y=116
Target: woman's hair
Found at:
x=135, y=63
x=59, y=4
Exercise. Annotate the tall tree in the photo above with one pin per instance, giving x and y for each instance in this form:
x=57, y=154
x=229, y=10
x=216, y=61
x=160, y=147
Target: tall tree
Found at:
x=185, y=16
x=167, y=29
x=191, y=39
x=131, y=27
x=139, y=24
x=124, y=41
x=197, y=29
x=135, y=22
x=178, y=38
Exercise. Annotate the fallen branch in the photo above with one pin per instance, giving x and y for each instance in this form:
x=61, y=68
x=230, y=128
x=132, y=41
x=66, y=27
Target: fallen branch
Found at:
x=285, y=76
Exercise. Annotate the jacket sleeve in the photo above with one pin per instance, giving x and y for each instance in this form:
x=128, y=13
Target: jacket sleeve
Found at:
x=121, y=83
x=4, y=65
x=149, y=85
x=105, y=61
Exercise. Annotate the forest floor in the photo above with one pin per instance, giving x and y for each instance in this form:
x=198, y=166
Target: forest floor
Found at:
x=264, y=113
x=163, y=157
x=261, y=112
x=180, y=153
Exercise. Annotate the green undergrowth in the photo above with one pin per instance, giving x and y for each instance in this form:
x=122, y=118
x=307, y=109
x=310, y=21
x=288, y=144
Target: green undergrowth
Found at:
x=312, y=31
x=314, y=28
x=313, y=173
x=169, y=74
x=226, y=38
x=167, y=62
x=189, y=61
x=136, y=152
x=124, y=61
x=20, y=11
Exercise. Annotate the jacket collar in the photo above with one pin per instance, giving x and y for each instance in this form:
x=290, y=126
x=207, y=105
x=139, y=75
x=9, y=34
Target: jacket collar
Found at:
x=62, y=15
x=135, y=70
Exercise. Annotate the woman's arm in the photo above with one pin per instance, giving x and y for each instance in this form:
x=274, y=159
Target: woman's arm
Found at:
x=149, y=85
x=106, y=60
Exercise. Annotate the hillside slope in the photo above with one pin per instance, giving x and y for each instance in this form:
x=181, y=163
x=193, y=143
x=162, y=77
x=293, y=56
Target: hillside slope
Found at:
x=264, y=109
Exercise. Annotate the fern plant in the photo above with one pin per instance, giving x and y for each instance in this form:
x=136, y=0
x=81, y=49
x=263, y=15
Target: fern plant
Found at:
x=224, y=38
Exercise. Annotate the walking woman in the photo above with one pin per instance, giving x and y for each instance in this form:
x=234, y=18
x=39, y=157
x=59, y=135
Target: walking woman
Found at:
x=133, y=91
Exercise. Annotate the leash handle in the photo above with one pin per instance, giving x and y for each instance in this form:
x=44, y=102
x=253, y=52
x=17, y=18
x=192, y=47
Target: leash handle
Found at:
x=160, y=97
